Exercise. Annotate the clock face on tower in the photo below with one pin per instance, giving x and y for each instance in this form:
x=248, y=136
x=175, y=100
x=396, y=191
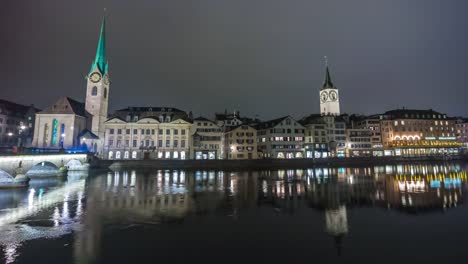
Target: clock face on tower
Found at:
x=333, y=96
x=95, y=77
x=323, y=96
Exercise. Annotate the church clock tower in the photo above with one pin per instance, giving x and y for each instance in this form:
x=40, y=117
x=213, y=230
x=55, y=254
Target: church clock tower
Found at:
x=329, y=97
x=97, y=92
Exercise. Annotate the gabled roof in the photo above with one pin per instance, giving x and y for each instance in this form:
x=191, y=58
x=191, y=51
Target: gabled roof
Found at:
x=312, y=119
x=137, y=109
x=229, y=129
x=270, y=123
x=273, y=123
x=87, y=134
x=12, y=108
x=114, y=117
x=201, y=118
x=66, y=105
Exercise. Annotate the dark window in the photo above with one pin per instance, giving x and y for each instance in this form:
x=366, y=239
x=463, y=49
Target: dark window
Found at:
x=94, y=91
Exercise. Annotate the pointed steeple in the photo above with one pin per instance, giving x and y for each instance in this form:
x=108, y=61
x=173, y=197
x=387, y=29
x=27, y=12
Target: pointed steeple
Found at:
x=328, y=82
x=100, y=60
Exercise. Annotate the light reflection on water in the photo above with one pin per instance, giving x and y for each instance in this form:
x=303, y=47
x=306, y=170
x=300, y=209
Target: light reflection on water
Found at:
x=87, y=206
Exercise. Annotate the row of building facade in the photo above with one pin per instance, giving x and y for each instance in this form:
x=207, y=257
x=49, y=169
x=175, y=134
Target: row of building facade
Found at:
x=170, y=133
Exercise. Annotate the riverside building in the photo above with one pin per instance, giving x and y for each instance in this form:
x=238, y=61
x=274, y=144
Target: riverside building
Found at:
x=281, y=138
x=148, y=133
x=206, y=139
x=240, y=143
x=16, y=124
x=315, y=137
x=408, y=132
x=372, y=124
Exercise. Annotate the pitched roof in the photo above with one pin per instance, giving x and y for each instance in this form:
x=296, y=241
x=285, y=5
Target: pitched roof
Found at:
x=87, y=134
x=270, y=123
x=231, y=128
x=66, y=105
x=139, y=109
x=312, y=119
x=15, y=108
x=201, y=118
x=413, y=114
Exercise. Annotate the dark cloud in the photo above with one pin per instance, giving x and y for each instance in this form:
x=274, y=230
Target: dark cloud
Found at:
x=260, y=57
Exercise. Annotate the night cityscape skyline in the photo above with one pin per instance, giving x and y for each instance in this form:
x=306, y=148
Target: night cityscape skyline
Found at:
x=328, y=131
x=188, y=58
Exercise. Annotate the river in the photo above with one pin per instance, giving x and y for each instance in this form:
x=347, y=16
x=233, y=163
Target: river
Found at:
x=396, y=213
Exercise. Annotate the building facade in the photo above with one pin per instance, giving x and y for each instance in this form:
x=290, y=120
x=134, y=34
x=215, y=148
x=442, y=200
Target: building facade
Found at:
x=372, y=123
x=358, y=142
x=16, y=124
x=60, y=125
x=281, y=138
x=315, y=137
x=147, y=133
x=240, y=143
x=462, y=130
x=418, y=132
x=206, y=139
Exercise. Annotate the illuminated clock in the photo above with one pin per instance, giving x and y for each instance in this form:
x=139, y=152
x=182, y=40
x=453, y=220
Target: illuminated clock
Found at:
x=95, y=77
x=333, y=96
x=323, y=96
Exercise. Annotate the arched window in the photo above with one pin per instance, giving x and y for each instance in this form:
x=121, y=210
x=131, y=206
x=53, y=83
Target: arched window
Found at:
x=111, y=155
x=45, y=140
x=126, y=155
x=94, y=91
x=105, y=92
x=134, y=155
x=117, y=155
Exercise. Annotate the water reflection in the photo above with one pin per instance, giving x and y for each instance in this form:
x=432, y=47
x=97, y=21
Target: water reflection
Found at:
x=89, y=205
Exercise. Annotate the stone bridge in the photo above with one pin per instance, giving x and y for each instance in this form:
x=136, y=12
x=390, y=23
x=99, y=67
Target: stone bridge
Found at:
x=24, y=164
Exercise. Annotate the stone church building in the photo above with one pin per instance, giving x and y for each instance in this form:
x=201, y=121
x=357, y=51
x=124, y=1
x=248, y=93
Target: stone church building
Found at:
x=72, y=125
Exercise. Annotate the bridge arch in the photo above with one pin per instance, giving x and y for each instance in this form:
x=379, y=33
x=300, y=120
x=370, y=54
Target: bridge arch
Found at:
x=43, y=168
x=5, y=176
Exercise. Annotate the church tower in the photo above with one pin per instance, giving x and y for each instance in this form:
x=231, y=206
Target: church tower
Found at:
x=329, y=97
x=97, y=92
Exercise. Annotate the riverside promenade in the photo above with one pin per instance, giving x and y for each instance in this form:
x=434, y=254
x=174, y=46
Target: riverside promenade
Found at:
x=268, y=163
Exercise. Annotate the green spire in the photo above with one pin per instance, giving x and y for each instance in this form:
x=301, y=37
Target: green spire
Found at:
x=328, y=83
x=100, y=60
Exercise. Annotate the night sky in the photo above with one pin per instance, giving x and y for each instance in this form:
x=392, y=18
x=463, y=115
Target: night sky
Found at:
x=263, y=58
